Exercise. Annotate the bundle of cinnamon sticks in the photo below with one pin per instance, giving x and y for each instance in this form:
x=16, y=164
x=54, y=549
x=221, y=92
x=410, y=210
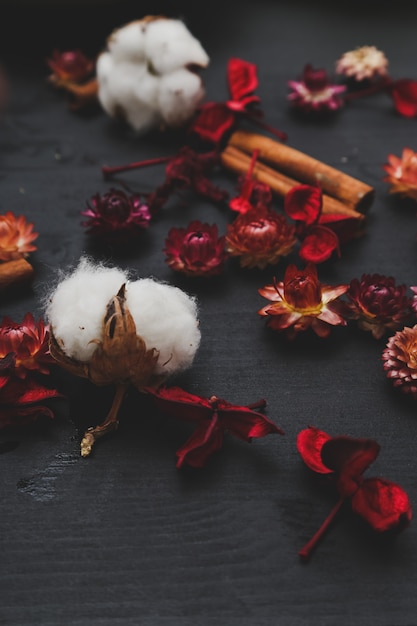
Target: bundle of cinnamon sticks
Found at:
x=282, y=167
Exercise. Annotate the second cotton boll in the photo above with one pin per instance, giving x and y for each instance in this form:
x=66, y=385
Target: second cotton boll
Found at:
x=165, y=316
x=146, y=75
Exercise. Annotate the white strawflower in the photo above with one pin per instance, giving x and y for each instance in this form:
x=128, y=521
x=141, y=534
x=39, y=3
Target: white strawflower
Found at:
x=165, y=316
x=146, y=75
x=362, y=63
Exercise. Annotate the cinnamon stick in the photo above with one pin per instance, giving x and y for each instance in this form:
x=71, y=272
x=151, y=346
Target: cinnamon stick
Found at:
x=12, y=272
x=239, y=162
x=306, y=169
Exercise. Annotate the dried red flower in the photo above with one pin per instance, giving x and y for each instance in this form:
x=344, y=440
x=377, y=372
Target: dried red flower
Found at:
x=215, y=119
x=402, y=173
x=252, y=193
x=378, y=304
x=16, y=236
x=116, y=213
x=400, y=360
x=27, y=342
x=414, y=299
x=303, y=204
x=404, y=95
x=300, y=302
x=382, y=503
x=313, y=93
x=196, y=250
x=214, y=417
x=69, y=66
x=260, y=237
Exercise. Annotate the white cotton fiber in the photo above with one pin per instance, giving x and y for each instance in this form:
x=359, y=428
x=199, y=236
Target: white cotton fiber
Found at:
x=165, y=316
x=145, y=73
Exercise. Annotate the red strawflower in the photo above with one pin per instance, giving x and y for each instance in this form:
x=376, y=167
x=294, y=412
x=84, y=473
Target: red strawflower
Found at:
x=414, y=299
x=300, y=302
x=400, y=360
x=313, y=93
x=16, y=236
x=213, y=417
x=382, y=503
x=116, y=213
x=402, y=173
x=215, y=119
x=70, y=66
x=404, y=95
x=260, y=237
x=28, y=343
x=378, y=303
x=196, y=250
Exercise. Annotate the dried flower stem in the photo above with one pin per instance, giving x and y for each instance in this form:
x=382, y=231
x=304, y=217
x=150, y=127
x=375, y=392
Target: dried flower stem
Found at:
x=238, y=161
x=306, y=169
x=80, y=95
x=110, y=171
x=110, y=424
x=382, y=85
x=12, y=272
x=307, y=550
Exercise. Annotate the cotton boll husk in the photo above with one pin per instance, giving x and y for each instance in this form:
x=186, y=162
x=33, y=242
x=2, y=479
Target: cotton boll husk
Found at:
x=78, y=305
x=180, y=92
x=169, y=45
x=128, y=43
x=166, y=319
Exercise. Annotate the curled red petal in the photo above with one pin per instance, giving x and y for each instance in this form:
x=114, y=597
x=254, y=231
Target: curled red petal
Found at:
x=213, y=121
x=309, y=444
x=241, y=77
x=206, y=439
x=404, y=95
x=319, y=245
x=383, y=504
x=349, y=457
x=19, y=392
x=245, y=423
x=181, y=404
x=303, y=203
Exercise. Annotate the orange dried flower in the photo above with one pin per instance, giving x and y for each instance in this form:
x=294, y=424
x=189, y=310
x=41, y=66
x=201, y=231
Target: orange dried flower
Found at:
x=16, y=236
x=260, y=237
x=300, y=301
x=402, y=173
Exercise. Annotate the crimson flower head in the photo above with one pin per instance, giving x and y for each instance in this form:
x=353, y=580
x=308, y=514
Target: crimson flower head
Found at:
x=16, y=237
x=402, y=173
x=313, y=92
x=378, y=303
x=27, y=342
x=300, y=302
x=384, y=505
x=400, y=360
x=213, y=418
x=259, y=238
x=196, y=250
x=404, y=95
x=70, y=65
x=116, y=213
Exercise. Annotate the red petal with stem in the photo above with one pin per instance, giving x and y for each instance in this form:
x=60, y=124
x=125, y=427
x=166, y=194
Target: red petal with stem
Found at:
x=241, y=77
x=349, y=458
x=404, y=94
x=181, y=404
x=383, y=504
x=303, y=203
x=244, y=423
x=346, y=228
x=319, y=245
x=213, y=121
x=309, y=444
x=205, y=440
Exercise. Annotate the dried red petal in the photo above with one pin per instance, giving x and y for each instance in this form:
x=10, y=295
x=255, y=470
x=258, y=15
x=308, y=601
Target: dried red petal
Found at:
x=318, y=245
x=19, y=401
x=213, y=121
x=349, y=457
x=242, y=78
x=404, y=94
x=245, y=423
x=181, y=404
x=304, y=203
x=205, y=440
x=309, y=444
x=383, y=504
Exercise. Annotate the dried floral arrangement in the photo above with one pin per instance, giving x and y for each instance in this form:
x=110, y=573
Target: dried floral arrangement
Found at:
x=112, y=329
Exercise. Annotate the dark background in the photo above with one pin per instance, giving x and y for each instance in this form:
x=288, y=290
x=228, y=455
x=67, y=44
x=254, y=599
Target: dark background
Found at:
x=123, y=538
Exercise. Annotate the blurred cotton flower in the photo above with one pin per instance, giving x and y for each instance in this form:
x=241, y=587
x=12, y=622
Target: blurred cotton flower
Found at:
x=146, y=75
x=366, y=62
x=196, y=250
x=402, y=173
x=314, y=93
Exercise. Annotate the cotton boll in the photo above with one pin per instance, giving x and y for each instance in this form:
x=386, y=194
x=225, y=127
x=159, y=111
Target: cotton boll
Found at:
x=128, y=43
x=170, y=45
x=180, y=92
x=78, y=305
x=166, y=319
